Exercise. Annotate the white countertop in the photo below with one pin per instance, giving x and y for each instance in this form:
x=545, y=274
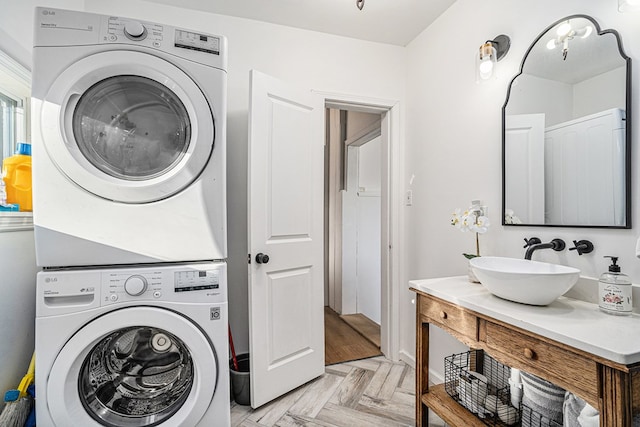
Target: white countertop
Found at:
x=570, y=321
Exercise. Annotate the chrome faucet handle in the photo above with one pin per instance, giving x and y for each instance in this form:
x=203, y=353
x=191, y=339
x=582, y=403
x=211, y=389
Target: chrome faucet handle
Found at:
x=582, y=247
x=531, y=241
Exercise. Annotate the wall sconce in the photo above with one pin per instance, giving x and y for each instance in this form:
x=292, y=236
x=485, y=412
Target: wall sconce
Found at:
x=565, y=33
x=628, y=5
x=490, y=53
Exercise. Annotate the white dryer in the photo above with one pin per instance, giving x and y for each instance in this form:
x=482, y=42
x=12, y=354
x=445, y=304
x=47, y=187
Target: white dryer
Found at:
x=144, y=346
x=128, y=136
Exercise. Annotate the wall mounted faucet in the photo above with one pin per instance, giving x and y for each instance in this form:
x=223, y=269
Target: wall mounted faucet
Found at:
x=533, y=244
x=582, y=247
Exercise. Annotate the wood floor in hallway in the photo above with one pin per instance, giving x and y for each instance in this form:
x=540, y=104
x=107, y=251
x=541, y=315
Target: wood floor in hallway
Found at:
x=368, y=393
x=342, y=342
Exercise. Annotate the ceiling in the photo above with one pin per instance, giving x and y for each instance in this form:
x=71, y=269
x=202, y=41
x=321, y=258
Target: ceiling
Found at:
x=394, y=22
x=586, y=58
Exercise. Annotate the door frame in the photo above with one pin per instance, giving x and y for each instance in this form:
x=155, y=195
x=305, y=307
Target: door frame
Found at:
x=391, y=218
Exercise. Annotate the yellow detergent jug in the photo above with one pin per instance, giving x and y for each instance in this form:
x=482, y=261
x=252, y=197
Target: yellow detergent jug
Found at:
x=16, y=172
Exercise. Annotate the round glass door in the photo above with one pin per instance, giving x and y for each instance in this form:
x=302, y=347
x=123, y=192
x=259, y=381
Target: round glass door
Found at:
x=136, y=376
x=131, y=127
x=137, y=366
x=128, y=126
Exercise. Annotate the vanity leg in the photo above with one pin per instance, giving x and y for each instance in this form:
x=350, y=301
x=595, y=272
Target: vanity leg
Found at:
x=422, y=368
x=615, y=397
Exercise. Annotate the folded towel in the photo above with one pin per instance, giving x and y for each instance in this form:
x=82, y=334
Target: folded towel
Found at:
x=571, y=409
x=578, y=413
x=589, y=417
x=542, y=397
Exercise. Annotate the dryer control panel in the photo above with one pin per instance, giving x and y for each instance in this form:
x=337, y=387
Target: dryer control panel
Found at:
x=123, y=29
x=70, y=29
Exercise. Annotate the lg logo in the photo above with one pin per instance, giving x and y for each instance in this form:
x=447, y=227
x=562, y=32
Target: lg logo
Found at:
x=48, y=12
x=50, y=280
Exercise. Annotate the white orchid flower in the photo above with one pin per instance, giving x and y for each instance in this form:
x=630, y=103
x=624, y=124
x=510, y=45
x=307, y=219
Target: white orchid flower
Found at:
x=481, y=224
x=472, y=219
x=457, y=220
x=511, y=218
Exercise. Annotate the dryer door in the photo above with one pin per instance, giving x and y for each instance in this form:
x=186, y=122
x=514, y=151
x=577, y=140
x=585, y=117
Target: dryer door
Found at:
x=138, y=366
x=128, y=126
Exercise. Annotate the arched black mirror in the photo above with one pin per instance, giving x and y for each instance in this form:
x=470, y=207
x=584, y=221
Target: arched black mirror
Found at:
x=566, y=130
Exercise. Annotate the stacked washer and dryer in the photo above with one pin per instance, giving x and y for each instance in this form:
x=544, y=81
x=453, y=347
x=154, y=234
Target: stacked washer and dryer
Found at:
x=129, y=195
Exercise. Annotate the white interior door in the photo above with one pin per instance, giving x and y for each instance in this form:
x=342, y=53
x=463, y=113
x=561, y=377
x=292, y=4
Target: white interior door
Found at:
x=286, y=291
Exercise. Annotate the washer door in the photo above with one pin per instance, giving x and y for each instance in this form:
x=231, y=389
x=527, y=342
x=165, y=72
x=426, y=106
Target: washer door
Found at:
x=127, y=126
x=137, y=366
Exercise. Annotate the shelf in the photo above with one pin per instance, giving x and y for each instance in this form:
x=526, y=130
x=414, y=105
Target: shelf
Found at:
x=16, y=221
x=448, y=409
x=451, y=412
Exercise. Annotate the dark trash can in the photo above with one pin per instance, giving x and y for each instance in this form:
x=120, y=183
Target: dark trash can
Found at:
x=240, y=380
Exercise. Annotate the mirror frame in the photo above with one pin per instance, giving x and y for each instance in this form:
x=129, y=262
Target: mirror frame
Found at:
x=628, y=127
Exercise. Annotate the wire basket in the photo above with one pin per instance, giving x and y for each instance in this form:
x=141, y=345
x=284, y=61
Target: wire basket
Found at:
x=532, y=418
x=481, y=384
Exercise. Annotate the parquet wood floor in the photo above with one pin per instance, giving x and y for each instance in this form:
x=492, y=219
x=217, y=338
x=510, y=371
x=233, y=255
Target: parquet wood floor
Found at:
x=362, y=393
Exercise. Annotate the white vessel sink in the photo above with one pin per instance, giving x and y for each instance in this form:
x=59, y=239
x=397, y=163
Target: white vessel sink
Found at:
x=524, y=281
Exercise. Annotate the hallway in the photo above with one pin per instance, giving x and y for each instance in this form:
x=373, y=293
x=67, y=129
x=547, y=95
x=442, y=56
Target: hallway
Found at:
x=343, y=343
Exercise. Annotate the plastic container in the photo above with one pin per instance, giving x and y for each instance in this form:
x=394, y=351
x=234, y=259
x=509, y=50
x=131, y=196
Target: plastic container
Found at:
x=16, y=172
x=615, y=291
x=241, y=380
x=4, y=206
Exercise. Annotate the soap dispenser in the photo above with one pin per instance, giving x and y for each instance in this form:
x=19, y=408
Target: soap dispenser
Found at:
x=615, y=291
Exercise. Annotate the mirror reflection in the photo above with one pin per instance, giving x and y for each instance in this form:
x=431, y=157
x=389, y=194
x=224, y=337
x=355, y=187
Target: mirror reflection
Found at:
x=565, y=130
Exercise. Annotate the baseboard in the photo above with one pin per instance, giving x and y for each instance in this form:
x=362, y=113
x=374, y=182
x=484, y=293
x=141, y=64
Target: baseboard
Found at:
x=407, y=358
x=434, y=377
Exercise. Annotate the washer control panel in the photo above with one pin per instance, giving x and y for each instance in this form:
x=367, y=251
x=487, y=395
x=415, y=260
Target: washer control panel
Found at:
x=175, y=284
x=67, y=290
x=190, y=280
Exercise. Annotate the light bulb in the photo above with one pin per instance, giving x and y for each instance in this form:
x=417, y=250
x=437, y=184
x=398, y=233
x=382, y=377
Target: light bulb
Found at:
x=551, y=44
x=486, y=66
x=563, y=29
x=587, y=31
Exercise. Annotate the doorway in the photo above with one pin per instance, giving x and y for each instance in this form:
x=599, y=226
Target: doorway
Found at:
x=354, y=159
x=286, y=206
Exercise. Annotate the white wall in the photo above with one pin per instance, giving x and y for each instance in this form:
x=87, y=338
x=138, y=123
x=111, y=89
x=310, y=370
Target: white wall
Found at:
x=17, y=306
x=453, y=143
x=590, y=96
x=557, y=109
x=304, y=58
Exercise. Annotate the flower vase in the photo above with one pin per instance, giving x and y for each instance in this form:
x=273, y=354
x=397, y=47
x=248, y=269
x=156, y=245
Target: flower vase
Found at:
x=472, y=275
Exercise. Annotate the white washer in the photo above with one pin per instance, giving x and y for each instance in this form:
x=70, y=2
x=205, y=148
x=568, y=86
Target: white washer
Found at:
x=133, y=347
x=128, y=135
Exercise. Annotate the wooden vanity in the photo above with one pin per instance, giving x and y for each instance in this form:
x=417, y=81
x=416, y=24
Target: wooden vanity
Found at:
x=569, y=343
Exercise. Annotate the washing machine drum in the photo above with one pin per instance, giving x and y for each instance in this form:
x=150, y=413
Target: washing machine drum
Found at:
x=127, y=126
x=131, y=127
x=135, y=374
x=138, y=366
